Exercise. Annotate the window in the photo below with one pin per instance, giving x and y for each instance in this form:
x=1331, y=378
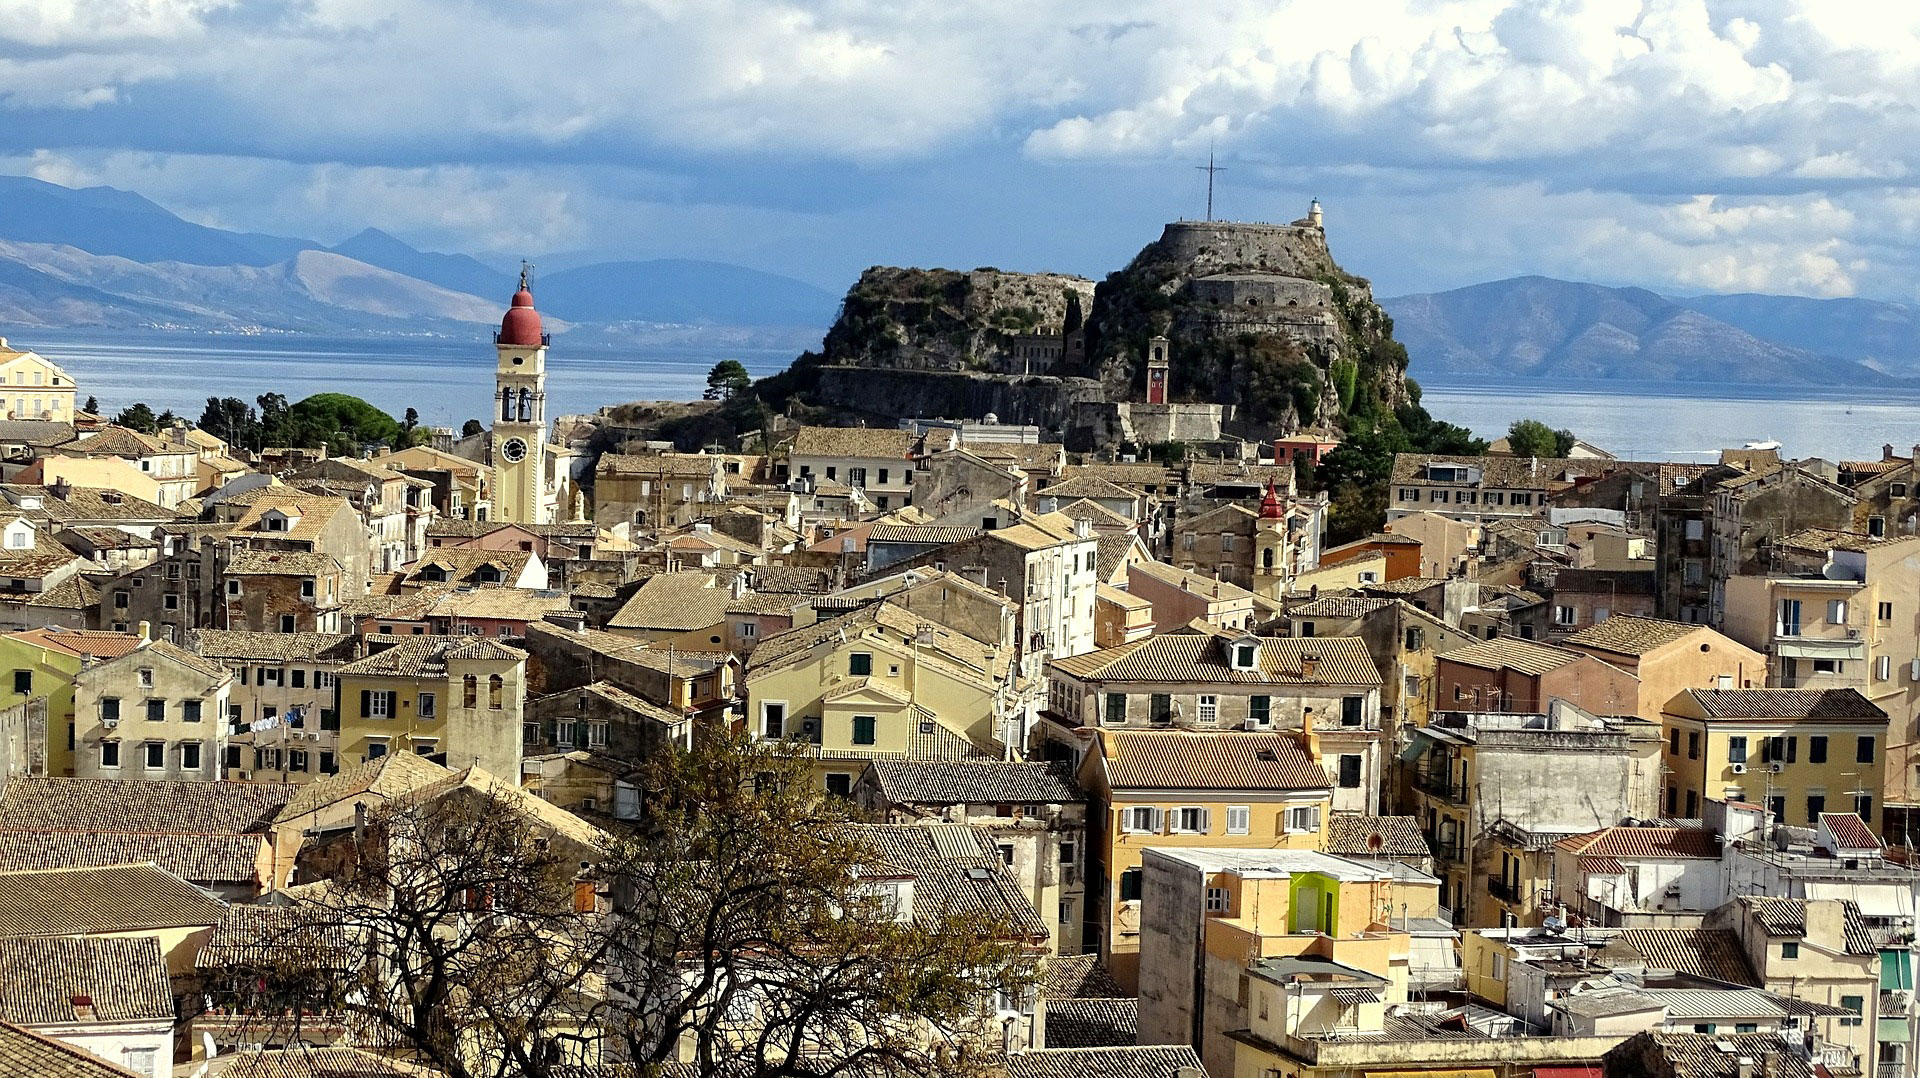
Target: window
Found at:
x=1863, y=807
x=296, y=759
x=773, y=720
x=1130, y=885
x=376, y=749
x=748, y=629
x=529, y=733
x=109, y=709
x=426, y=705
x=566, y=732
x=1883, y=668
x=864, y=729
x=1245, y=656
x=1563, y=615
x=1816, y=804
x=1817, y=749
x=1191, y=821
x=1160, y=709
x=1780, y=748
x=156, y=711
x=1209, y=708
x=190, y=711
x=109, y=754
x=1350, y=771
x=1863, y=749
x=495, y=687
x=1787, y=623
x=839, y=783
x=1852, y=1003
x=1350, y=710
x=1217, y=900
x=1736, y=750
x=287, y=624
x=139, y=1060
x=1836, y=612
x=1829, y=666
x=1239, y=819
x=376, y=705
x=1790, y=949
x=1673, y=741
x=170, y=602
x=597, y=734
x=470, y=691
x=156, y=755
x=1141, y=820
x=860, y=664
x=1693, y=744
x=1885, y=613
x=1897, y=490
x=1116, y=708
x=306, y=588
x=22, y=682
x=1301, y=818
x=1876, y=526
x=1260, y=710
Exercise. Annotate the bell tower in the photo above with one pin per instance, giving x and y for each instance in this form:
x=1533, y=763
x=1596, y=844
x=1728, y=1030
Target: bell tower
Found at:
x=1270, y=547
x=522, y=491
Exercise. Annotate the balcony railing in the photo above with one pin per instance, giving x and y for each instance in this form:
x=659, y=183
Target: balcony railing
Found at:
x=1443, y=787
x=1452, y=852
x=1502, y=890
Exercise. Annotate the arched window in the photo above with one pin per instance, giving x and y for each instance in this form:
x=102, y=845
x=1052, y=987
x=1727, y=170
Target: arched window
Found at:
x=470, y=692
x=495, y=685
x=526, y=405
x=1266, y=557
x=506, y=404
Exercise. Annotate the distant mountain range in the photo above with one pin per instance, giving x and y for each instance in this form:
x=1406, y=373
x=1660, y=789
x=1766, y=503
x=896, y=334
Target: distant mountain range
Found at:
x=102, y=257
x=1539, y=327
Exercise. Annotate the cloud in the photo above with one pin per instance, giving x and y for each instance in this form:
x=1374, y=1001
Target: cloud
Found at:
x=1709, y=143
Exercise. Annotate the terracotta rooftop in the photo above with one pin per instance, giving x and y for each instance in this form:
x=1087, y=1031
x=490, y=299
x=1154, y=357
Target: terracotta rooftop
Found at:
x=1701, y=952
x=95, y=901
x=1338, y=660
x=1136, y=1061
x=1214, y=760
x=201, y=808
x=120, y=980
x=1638, y=842
x=986, y=782
x=24, y=1052
x=852, y=442
x=1782, y=703
x=1511, y=653
x=1629, y=634
x=1375, y=836
x=1849, y=831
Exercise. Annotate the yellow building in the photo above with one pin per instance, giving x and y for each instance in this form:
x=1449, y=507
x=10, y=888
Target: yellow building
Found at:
x=1167, y=788
x=1799, y=752
x=457, y=700
x=31, y=387
x=880, y=683
x=41, y=664
x=1217, y=918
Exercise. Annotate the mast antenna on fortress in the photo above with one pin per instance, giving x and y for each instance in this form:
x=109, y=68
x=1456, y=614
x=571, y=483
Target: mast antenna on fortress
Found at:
x=1210, y=168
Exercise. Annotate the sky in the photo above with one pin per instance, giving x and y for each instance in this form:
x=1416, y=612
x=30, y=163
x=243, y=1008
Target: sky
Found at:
x=1683, y=145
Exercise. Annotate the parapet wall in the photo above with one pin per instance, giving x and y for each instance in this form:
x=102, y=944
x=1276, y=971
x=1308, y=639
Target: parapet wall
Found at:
x=1215, y=246
x=1045, y=402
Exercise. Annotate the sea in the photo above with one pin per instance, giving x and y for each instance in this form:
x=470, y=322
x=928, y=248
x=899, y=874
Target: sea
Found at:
x=449, y=380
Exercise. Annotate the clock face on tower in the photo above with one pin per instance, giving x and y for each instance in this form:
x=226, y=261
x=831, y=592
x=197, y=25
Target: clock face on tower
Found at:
x=515, y=450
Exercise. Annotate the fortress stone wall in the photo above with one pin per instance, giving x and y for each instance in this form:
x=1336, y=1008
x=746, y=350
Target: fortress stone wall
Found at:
x=1215, y=246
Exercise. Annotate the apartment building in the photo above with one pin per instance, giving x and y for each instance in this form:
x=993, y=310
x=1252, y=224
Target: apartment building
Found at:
x=459, y=701
x=155, y=713
x=1799, y=752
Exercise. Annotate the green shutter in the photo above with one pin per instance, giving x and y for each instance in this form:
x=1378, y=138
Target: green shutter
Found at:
x=366, y=703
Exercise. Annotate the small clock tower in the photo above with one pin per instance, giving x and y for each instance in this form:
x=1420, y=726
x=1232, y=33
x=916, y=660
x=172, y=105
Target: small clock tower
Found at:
x=1157, y=364
x=518, y=447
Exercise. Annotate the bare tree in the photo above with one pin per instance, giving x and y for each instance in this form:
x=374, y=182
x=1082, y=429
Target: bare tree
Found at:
x=746, y=928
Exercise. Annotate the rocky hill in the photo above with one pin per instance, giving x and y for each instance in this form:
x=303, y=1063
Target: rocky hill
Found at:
x=1259, y=316
x=1267, y=335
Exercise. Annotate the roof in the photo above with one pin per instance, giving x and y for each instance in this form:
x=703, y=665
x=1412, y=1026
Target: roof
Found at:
x=388, y=776
x=1340, y=606
x=1079, y=976
x=1512, y=653
x=63, y=804
x=957, y=872
x=852, y=442
x=1521, y=473
x=234, y=644
x=172, y=652
x=1191, y=581
x=930, y=534
x=211, y=858
x=1138, y=1061
x=121, y=442
x=986, y=782
x=1339, y=660
x=1349, y=835
x=1849, y=831
x=1039, y=532
x=427, y=656
x=674, y=601
x=27, y=1053
x=1822, y=540
x=85, y=901
x=254, y=935
x=1088, y=486
x=499, y=604
x=1092, y=1023
x=1700, y=1055
x=88, y=643
x=953, y=654
x=1700, y=952
x=1629, y=634
x=1638, y=842
x=309, y=1061
x=1780, y=703
x=1216, y=760
x=1100, y=515
x=247, y=562
x=126, y=980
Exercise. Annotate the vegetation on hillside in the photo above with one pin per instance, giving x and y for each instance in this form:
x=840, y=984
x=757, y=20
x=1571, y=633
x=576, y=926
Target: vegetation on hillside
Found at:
x=1356, y=475
x=338, y=421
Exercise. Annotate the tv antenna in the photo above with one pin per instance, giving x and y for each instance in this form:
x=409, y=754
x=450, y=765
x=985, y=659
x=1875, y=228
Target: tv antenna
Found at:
x=1210, y=168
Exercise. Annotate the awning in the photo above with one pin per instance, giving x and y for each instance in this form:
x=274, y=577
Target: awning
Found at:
x=1472, y=1072
x=1594, y=1071
x=1876, y=899
x=1365, y=994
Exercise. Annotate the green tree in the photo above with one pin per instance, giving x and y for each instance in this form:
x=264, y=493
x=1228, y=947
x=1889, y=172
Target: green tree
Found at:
x=342, y=422
x=138, y=417
x=275, y=429
x=471, y=427
x=1532, y=438
x=231, y=420
x=93, y=405
x=727, y=380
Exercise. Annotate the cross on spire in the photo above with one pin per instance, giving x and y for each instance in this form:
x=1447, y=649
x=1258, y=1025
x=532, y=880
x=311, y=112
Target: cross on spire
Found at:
x=526, y=271
x=1210, y=168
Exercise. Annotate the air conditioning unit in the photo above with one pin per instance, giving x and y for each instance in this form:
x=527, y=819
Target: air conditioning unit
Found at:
x=1776, y=768
x=1853, y=634
x=1738, y=769
x=109, y=723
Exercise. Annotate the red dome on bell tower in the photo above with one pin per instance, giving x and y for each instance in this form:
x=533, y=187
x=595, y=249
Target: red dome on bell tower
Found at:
x=1270, y=505
x=521, y=326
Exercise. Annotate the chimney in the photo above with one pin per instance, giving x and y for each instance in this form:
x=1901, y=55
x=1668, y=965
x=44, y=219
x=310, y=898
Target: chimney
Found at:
x=82, y=1008
x=146, y=631
x=1309, y=665
x=1082, y=528
x=1916, y=453
x=1886, y=451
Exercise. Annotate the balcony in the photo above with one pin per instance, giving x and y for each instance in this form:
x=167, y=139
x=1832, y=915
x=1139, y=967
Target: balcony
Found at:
x=1452, y=852
x=1503, y=890
x=1441, y=786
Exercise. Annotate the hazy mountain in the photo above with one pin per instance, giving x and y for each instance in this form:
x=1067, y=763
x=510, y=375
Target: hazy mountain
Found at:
x=1538, y=327
x=108, y=221
x=314, y=291
x=458, y=272
x=1882, y=335
x=683, y=290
